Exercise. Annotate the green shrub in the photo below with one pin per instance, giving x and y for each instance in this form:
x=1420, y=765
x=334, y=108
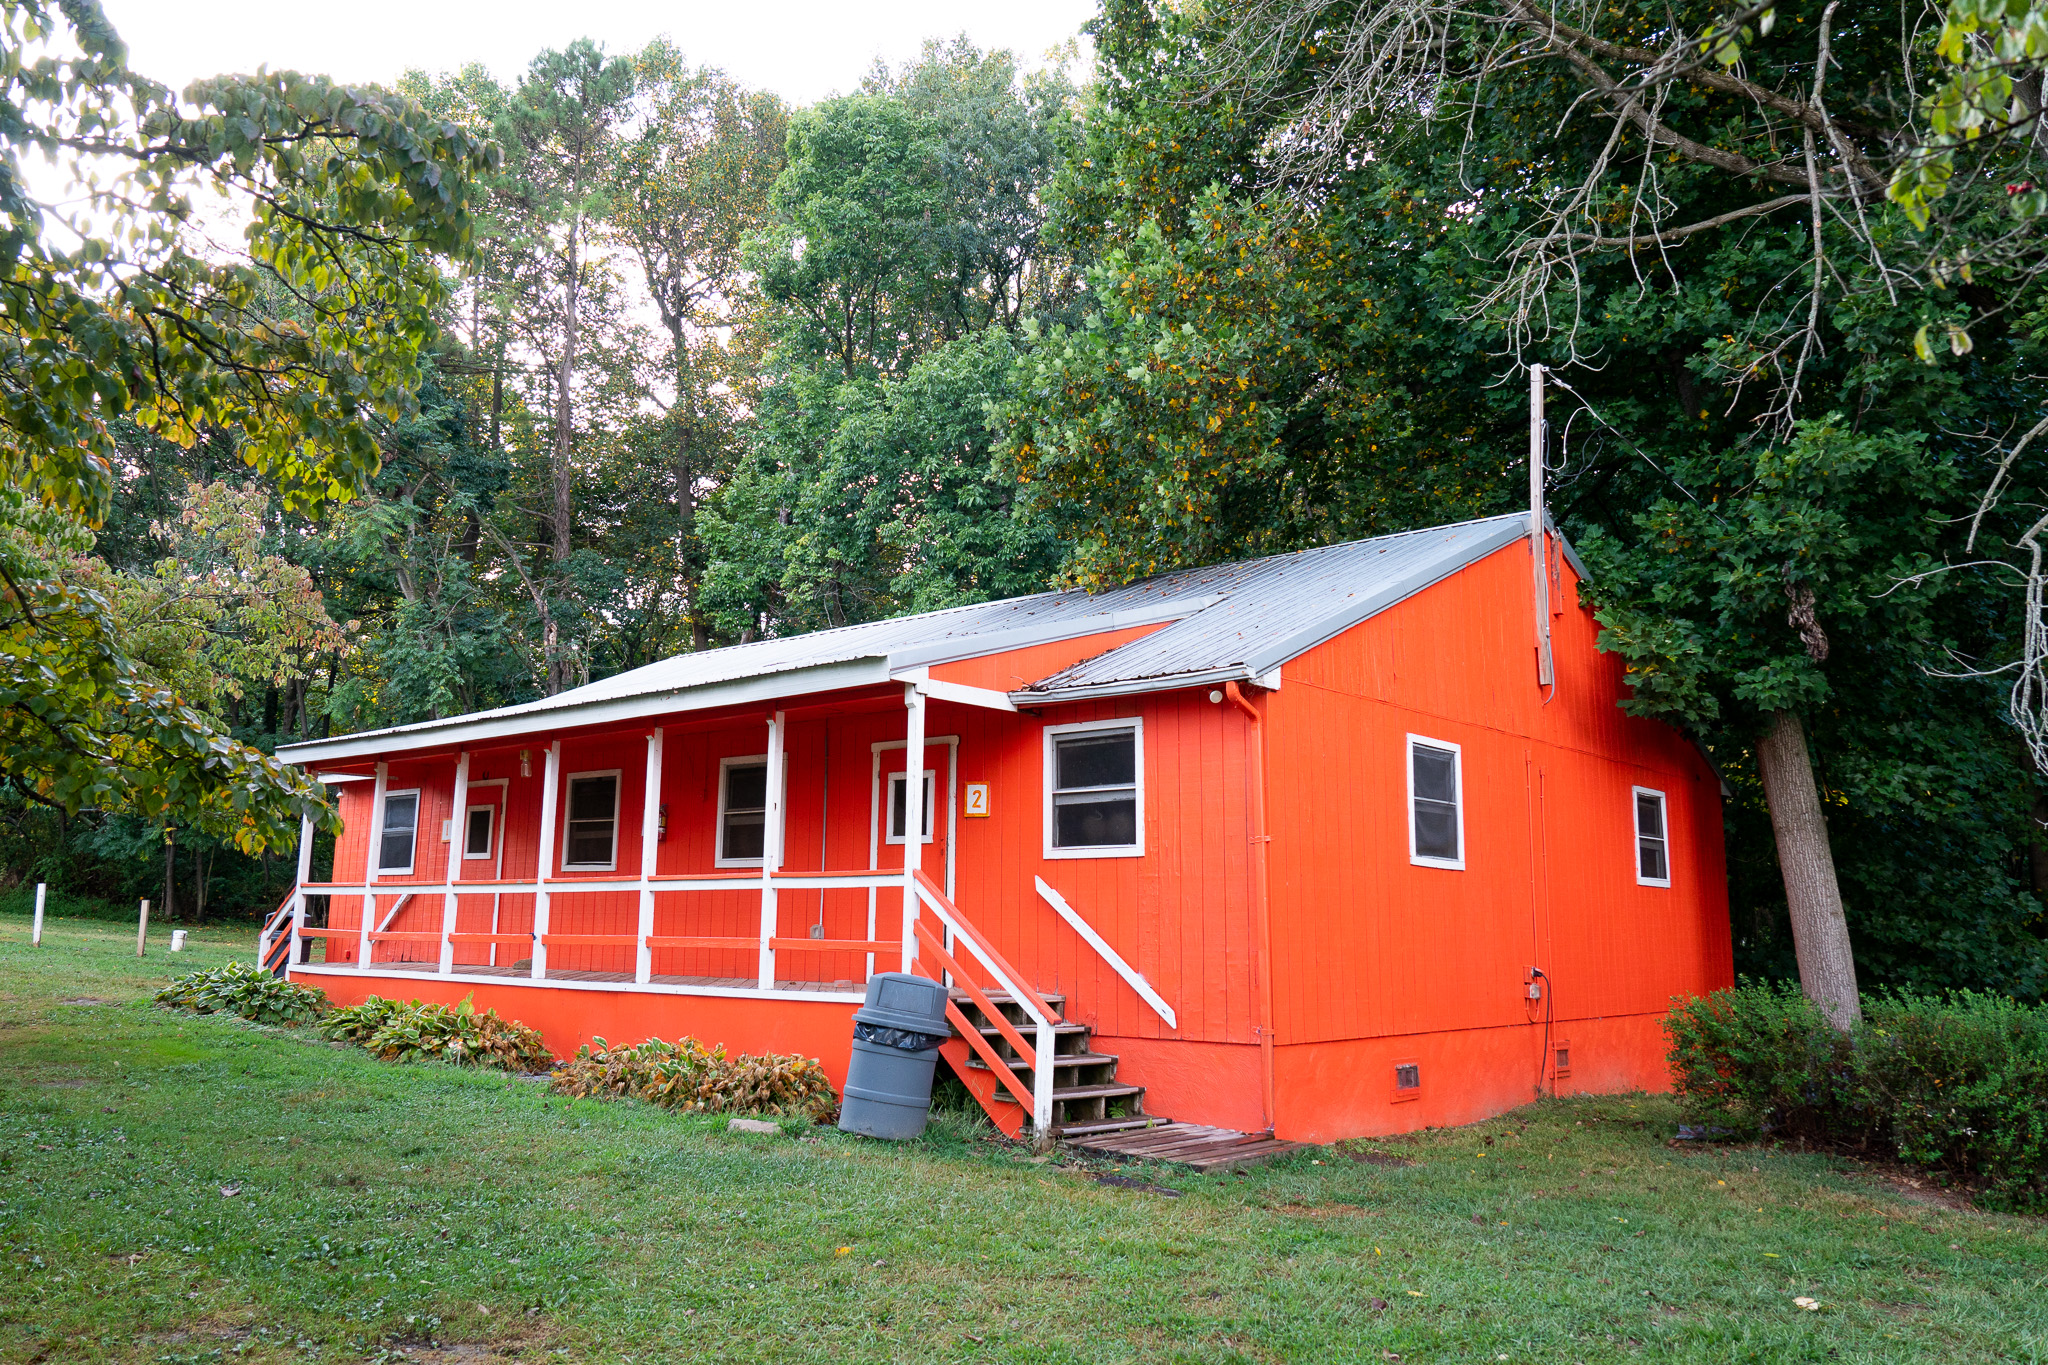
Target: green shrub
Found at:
x=61, y=904
x=689, y=1076
x=251, y=992
x=1957, y=1084
x=414, y=1031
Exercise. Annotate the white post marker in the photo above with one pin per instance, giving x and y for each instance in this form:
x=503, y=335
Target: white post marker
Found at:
x=177, y=940
x=142, y=929
x=35, y=933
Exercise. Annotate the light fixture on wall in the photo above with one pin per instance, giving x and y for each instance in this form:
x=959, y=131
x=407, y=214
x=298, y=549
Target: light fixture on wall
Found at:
x=661, y=823
x=526, y=763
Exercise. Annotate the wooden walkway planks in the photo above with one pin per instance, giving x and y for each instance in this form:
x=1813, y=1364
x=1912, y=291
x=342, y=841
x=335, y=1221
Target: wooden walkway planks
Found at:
x=1186, y=1144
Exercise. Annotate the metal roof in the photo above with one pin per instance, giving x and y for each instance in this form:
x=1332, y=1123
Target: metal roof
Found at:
x=1228, y=621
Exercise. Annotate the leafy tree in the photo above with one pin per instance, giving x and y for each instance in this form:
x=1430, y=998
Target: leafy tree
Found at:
x=1300, y=321
x=353, y=199
x=691, y=185
x=908, y=228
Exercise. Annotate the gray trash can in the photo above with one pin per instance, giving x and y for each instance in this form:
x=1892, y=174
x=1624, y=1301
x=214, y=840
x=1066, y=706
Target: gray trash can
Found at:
x=896, y=1037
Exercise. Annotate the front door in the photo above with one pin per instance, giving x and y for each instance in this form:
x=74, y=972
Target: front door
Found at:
x=895, y=809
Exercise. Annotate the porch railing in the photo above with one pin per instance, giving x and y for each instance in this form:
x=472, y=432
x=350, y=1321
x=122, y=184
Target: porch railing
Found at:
x=443, y=940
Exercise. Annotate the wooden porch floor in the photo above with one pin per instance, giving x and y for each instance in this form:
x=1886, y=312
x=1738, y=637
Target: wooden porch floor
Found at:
x=1186, y=1144
x=625, y=978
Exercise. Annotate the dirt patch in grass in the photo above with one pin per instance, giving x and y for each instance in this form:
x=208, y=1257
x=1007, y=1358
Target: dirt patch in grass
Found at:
x=87, y=1000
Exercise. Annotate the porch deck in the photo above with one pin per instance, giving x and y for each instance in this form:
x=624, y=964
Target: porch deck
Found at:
x=559, y=974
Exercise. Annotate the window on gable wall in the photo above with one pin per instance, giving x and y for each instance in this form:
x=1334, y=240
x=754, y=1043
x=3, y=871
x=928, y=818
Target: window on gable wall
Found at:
x=1653, y=849
x=593, y=821
x=401, y=824
x=1094, y=792
x=1436, y=818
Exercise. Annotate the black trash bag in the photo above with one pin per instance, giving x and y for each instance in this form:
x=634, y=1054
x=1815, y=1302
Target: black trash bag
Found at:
x=902, y=1039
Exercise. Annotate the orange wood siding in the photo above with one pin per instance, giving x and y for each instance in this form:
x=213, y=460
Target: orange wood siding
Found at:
x=1368, y=945
x=1016, y=668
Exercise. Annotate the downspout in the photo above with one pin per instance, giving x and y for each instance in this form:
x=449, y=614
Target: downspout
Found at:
x=1262, y=928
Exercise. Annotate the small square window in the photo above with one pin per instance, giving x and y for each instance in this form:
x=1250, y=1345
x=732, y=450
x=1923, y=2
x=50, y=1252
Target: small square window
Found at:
x=1436, y=815
x=401, y=824
x=742, y=812
x=1653, y=846
x=592, y=840
x=1407, y=1080
x=1562, y=1060
x=476, y=837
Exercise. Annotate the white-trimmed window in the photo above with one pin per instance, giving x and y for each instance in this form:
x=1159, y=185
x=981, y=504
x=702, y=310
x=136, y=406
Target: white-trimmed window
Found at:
x=1653, y=839
x=477, y=828
x=401, y=830
x=591, y=841
x=1436, y=803
x=1095, y=789
x=897, y=785
x=742, y=811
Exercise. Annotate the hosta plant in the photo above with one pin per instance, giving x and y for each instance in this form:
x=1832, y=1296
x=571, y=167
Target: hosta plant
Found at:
x=690, y=1076
x=414, y=1031
x=251, y=992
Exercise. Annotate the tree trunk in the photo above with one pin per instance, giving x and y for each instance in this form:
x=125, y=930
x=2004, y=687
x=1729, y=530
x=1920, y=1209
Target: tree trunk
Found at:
x=170, y=876
x=1820, y=932
x=565, y=377
x=200, y=859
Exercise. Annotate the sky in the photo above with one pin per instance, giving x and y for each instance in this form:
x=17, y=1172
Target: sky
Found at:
x=802, y=50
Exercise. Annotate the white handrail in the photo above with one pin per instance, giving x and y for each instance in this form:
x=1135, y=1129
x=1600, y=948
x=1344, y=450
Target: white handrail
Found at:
x=1132, y=977
x=1043, y=1038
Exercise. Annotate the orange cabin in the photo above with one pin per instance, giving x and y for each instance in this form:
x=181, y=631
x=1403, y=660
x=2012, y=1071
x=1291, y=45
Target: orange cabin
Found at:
x=1297, y=844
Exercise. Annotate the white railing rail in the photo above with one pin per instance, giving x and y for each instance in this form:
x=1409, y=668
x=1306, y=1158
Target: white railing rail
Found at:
x=1012, y=985
x=1132, y=977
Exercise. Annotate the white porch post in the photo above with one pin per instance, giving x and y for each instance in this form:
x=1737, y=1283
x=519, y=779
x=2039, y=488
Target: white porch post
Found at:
x=458, y=832
x=650, y=830
x=771, y=850
x=544, y=868
x=305, y=875
x=370, y=861
x=913, y=817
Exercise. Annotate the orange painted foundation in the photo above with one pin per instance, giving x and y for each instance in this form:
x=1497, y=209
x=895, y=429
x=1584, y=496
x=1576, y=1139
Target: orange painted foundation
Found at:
x=1329, y=1091
x=567, y=1019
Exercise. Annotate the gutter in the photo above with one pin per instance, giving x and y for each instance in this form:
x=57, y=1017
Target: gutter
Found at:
x=1262, y=923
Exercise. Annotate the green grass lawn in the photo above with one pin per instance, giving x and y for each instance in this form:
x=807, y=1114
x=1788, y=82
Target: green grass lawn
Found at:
x=180, y=1189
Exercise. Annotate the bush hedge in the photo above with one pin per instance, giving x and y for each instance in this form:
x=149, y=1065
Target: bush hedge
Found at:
x=251, y=992
x=414, y=1031
x=1954, y=1083
x=689, y=1076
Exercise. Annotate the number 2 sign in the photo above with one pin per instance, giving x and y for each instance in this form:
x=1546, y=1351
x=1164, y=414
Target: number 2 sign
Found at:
x=977, y=798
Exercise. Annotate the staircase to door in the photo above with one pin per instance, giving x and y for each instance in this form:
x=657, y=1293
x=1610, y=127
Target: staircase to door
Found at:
x=1087, y=1097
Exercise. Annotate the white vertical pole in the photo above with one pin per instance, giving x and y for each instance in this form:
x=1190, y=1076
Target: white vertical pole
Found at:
x=371, y=859
x=913, y=817
x=1537, y=546
x=458, y=839
x=35, y=933
x=142, y=929
x=650, y=830
x=544, y=865
x=299, y=899
x=771, y=850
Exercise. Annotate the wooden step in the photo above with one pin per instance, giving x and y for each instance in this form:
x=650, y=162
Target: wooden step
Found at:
x=1031, y=1030
x=1060, y=1059
x=1095, y=1092
x=962, y=998
x=1094, y=1126
x=1187, y=1144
